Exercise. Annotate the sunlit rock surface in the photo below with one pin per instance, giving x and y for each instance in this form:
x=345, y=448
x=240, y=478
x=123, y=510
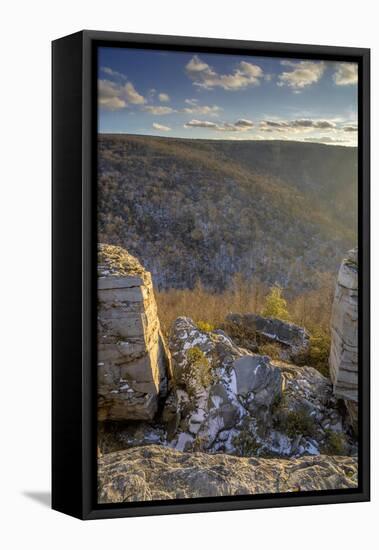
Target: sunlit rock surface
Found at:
x=133, y=362
x=160, y=473
x=248, y=404
x=343, y=360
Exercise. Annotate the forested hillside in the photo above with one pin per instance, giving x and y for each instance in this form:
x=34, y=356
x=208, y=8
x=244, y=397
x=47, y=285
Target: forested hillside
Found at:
x=206, y=210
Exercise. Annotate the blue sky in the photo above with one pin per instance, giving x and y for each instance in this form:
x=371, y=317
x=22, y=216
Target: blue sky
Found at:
x=212, y=96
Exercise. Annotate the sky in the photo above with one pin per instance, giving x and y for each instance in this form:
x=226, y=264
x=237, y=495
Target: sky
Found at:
x=213, y=96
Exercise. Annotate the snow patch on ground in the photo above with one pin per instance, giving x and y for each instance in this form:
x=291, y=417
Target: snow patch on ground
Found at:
x=199, y=339
x=183, y=438
x=311, y=448
x=215, y=425
x=233, y=383
x=216, y=401
x=280, y=443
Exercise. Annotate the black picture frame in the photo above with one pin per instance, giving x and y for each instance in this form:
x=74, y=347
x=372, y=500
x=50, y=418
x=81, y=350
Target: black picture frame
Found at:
x=74, y=129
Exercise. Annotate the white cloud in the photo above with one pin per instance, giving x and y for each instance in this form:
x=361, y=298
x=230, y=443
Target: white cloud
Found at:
x=297, y=125
x=272, y=124
x=109, y=95
x=158, y=110
x=204, y=76
x=244, y=123
x=325, y=139
x=113, y=96
x=346, y=74
x=311, y=130
x=351, y=128
x=131, y=94
x=324, y=124
x=195, y=65
x=240, y=125
x=163, y=98
x=112, y=103
x=303, y=73
x=196, y=109
x=161, y=127
x=200, y=124
x=110, y=72
x=229, y=127
x=308, y=123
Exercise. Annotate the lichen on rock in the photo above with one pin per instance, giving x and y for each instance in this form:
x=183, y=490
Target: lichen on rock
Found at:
x=213, y=416
x=160, y=473
x=252, y=404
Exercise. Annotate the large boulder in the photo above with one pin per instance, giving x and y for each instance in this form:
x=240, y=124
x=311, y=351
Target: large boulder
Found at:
x=218, y=388
x=160, y=473
x=133, y=361
x=227, y=399
x=343, y=360
x=250, y=327
x=258, y=384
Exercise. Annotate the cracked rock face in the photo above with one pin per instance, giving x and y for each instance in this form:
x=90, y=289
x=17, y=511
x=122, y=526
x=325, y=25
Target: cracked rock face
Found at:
x=160, y=473
x=230, y=421
x=343, y=360
x=250, y=405
x=240, y=386
x=133, y=362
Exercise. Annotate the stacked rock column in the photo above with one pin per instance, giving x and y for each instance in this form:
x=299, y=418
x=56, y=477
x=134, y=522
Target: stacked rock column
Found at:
x=343, y=359
x=132, y=358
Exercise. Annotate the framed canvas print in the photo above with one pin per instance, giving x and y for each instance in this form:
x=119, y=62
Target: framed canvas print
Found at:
x=210, y=275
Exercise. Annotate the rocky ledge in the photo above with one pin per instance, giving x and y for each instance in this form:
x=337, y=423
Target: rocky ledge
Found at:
x=210, y=416
x=160, y=473
x=133, y=361
x=343, y=360
x=227, y=399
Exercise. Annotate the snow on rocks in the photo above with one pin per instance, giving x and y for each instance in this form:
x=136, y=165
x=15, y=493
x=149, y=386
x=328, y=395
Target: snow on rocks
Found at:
x=249, y=405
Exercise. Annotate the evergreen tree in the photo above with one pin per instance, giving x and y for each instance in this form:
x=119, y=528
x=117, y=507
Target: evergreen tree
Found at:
x=275, y=305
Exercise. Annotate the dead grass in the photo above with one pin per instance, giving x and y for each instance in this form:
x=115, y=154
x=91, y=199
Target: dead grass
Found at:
x=311, y=309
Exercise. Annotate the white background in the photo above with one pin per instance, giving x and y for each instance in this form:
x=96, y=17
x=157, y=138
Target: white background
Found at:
x=26, y=31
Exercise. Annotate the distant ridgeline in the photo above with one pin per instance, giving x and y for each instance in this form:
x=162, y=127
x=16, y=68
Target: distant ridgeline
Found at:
x=205, y=210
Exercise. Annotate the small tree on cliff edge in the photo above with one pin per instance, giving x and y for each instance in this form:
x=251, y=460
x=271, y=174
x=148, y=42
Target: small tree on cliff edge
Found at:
x=275, y=305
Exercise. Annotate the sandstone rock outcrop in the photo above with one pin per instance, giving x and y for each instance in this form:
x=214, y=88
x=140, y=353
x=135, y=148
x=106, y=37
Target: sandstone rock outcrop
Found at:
x=293, y=339
x=230, y=421
x=133, y=361
x=160, y=473
x=247, y=404
x=343, y=360
x=238, y=384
